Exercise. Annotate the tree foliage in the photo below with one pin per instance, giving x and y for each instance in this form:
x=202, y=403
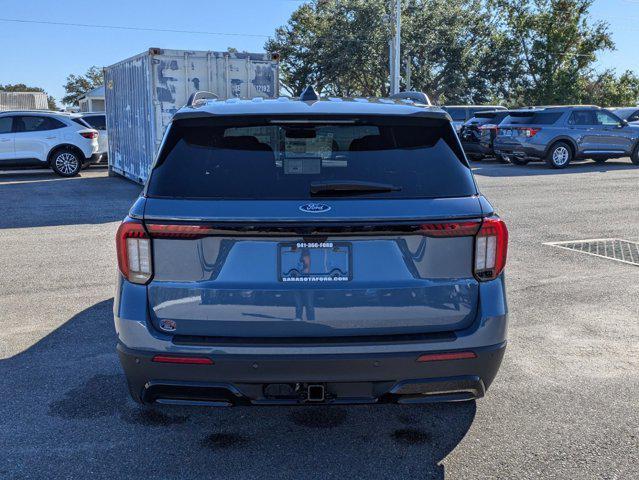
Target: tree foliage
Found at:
x=555, y=48
x=608, y=90
x=21, y=87
x=518, y=52
x=78, y=85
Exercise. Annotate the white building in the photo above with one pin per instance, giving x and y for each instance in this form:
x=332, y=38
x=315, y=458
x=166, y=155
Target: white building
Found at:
x=93, y=100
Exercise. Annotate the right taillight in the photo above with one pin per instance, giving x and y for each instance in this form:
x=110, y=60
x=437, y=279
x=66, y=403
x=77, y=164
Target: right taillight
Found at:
x=491, y=247
x=134, y=252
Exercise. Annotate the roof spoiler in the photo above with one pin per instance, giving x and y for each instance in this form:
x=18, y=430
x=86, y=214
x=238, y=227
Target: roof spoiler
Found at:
x=417, y=97
x=490, y=113
x=197, y=98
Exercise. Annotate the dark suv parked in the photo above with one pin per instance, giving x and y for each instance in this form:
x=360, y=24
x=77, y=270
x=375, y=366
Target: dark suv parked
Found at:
x=322, y=251
x=460, y=114
x=478, y=134
x=559, y=135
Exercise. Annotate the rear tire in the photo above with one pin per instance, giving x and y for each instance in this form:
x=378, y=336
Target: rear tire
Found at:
x=65, y=162
x=560, y=155
x=635, y=156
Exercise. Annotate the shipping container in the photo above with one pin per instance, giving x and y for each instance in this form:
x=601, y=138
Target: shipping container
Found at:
x=23, y=101
x=143, y=92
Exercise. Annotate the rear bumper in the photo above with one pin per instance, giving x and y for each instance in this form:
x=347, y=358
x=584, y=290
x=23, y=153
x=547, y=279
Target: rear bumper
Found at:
x=519, y=150
x=474, y=149
x=285, y=379
x=94, y=158
x=359, y=371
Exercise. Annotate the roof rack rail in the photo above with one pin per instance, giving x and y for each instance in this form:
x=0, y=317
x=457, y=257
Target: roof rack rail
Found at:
x=199, y=97
x=417, y=97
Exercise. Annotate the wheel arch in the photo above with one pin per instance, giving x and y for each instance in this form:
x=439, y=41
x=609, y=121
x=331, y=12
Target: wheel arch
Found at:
x=66, y=146
x=571, y=143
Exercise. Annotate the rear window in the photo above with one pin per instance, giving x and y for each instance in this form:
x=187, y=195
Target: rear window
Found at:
x=96, y=121
x=487, y=117
x=458, y=114
x=80, y=121
x=536, y=118
x=280, y=159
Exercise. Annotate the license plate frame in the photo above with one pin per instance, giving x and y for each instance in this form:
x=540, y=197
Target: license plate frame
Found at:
x=335, y=256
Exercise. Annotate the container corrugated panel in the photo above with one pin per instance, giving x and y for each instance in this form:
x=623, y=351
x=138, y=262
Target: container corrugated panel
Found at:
x=144, y=91
x=129, y=117
x=23, y=101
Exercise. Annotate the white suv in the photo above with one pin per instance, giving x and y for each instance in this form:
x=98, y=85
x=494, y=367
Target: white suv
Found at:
x=52, y=139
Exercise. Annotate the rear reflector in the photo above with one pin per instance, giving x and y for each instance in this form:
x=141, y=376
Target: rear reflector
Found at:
x=134, y=252
x=436, y=357
x=182, y=360
x=491, y=247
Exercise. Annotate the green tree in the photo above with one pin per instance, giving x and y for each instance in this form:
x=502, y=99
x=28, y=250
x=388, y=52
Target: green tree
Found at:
x=342, y=47
x=554, y=48
x=456, y=54
x=608, y=90
x=21, y=87
x=516, y=52
x=78, y=85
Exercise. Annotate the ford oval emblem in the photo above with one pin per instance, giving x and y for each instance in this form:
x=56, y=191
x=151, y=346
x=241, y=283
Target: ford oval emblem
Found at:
x=315, y=208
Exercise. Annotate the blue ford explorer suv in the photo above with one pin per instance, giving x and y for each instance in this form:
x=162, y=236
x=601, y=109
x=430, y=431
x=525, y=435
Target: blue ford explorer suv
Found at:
x=310, y=251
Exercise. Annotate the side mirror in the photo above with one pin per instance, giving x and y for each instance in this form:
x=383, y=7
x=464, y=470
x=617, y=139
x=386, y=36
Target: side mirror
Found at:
x=624, y=123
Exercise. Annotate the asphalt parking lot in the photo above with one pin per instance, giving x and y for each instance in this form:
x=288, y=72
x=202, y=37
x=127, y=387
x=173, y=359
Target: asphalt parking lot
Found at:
x=564, y=404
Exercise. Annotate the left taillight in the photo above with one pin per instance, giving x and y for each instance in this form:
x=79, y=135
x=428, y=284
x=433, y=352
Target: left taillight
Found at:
x=89, y=135
x=134, y=252
x=491, y=248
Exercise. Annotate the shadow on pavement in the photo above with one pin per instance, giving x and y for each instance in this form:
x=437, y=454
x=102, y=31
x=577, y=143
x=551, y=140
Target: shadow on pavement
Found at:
x=68, y=413
x=41, y=199
x=494, y=168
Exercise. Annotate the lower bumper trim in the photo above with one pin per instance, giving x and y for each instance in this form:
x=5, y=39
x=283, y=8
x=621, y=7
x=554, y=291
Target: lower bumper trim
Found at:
x=347, y=380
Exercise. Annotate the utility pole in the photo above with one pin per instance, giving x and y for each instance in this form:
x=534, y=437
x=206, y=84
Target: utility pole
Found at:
x=395, y=47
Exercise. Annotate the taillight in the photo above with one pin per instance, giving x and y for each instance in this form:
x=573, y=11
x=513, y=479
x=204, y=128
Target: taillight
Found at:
x=491, y=247
x=451, y=229
x=89, y=135
x=157, y=230
x=134, y=252
x=529, y=132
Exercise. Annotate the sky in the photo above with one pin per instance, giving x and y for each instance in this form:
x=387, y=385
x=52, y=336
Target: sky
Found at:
x=42, y=55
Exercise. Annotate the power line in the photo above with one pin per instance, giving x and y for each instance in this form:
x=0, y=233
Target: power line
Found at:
x=140, y=29
x=351, y=38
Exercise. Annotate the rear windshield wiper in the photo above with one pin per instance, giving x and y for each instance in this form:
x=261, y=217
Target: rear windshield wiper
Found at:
x=350, y=186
